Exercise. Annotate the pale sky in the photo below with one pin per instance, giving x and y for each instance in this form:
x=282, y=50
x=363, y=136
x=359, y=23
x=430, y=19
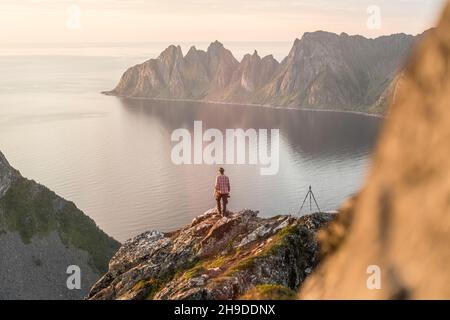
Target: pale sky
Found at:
x=110, y=21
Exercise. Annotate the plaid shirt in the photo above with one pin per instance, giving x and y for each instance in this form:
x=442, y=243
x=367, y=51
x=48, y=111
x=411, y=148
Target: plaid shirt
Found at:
x=223, y=184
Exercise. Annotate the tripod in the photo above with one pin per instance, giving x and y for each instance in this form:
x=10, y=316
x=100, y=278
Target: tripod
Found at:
x=310, y=194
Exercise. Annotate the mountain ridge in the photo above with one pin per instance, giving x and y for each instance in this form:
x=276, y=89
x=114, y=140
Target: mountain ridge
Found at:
x=41, y=235
x=323, y=70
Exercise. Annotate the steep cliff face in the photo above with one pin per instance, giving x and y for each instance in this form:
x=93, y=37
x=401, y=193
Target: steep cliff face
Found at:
x=215, y=258
x=326, y=69
x=253, y=74
x=322, y=70
x=41, y=235
x=198, y=75
x=400, y=220
x=221, y=65
x=7, y=175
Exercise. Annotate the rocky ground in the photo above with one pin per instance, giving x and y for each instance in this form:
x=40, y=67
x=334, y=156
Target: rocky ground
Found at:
x=216, y=258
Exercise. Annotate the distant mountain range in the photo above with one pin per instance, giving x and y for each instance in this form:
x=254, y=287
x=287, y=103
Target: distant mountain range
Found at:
x=323, y=70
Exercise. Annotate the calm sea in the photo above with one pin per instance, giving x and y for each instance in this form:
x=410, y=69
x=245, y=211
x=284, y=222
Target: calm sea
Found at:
x=112, y=156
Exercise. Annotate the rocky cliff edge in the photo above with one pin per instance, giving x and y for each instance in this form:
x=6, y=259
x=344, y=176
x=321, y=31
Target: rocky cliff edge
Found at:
x=216, y=258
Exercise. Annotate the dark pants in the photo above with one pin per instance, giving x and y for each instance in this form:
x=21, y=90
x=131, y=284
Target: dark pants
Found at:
x=224, y=198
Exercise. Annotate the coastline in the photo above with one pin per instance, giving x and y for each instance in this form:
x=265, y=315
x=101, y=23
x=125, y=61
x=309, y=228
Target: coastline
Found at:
x=374, y=115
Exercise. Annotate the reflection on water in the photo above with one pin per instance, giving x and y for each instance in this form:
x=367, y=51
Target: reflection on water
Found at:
x=327, y=150
x=111, y=156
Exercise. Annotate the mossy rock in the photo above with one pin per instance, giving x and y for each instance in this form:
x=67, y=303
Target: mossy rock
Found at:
x=34, y=211
x=279, y=241
x=269, y=292
x=149, y=286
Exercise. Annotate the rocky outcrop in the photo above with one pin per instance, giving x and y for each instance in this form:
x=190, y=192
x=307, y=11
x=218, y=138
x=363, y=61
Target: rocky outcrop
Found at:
x=7, y=175
x=215, y=258
x=41, y=235
x=398, y=227
x=322, y=70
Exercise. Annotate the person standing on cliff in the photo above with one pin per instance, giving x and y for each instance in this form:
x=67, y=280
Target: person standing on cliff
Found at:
x=222, y=191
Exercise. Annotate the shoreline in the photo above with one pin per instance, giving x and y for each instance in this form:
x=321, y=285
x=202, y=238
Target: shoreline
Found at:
x=373, y=115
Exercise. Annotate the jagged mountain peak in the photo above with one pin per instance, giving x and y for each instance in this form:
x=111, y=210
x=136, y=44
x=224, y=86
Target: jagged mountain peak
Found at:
x=172, y=52
x=194, y=53
x=3, y=160
x=269, y=57
x=215, y=47
x=319, y=34
x=216, y=43
x=7, y=174
x=314, y=46
x=218, y=50
x=192, y=49
x=316, y=41
x=251, y=57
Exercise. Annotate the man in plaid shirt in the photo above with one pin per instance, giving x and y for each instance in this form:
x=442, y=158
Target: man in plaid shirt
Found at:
x=222, y=191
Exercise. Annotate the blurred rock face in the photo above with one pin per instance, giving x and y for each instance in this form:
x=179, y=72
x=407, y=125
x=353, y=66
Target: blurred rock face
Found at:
x=401, y=218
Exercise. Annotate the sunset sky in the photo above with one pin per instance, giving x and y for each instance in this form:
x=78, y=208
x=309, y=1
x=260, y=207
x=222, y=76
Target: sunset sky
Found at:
x=52, y=21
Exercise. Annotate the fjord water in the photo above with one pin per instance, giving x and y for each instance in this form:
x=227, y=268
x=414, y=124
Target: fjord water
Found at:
x=111, y=156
